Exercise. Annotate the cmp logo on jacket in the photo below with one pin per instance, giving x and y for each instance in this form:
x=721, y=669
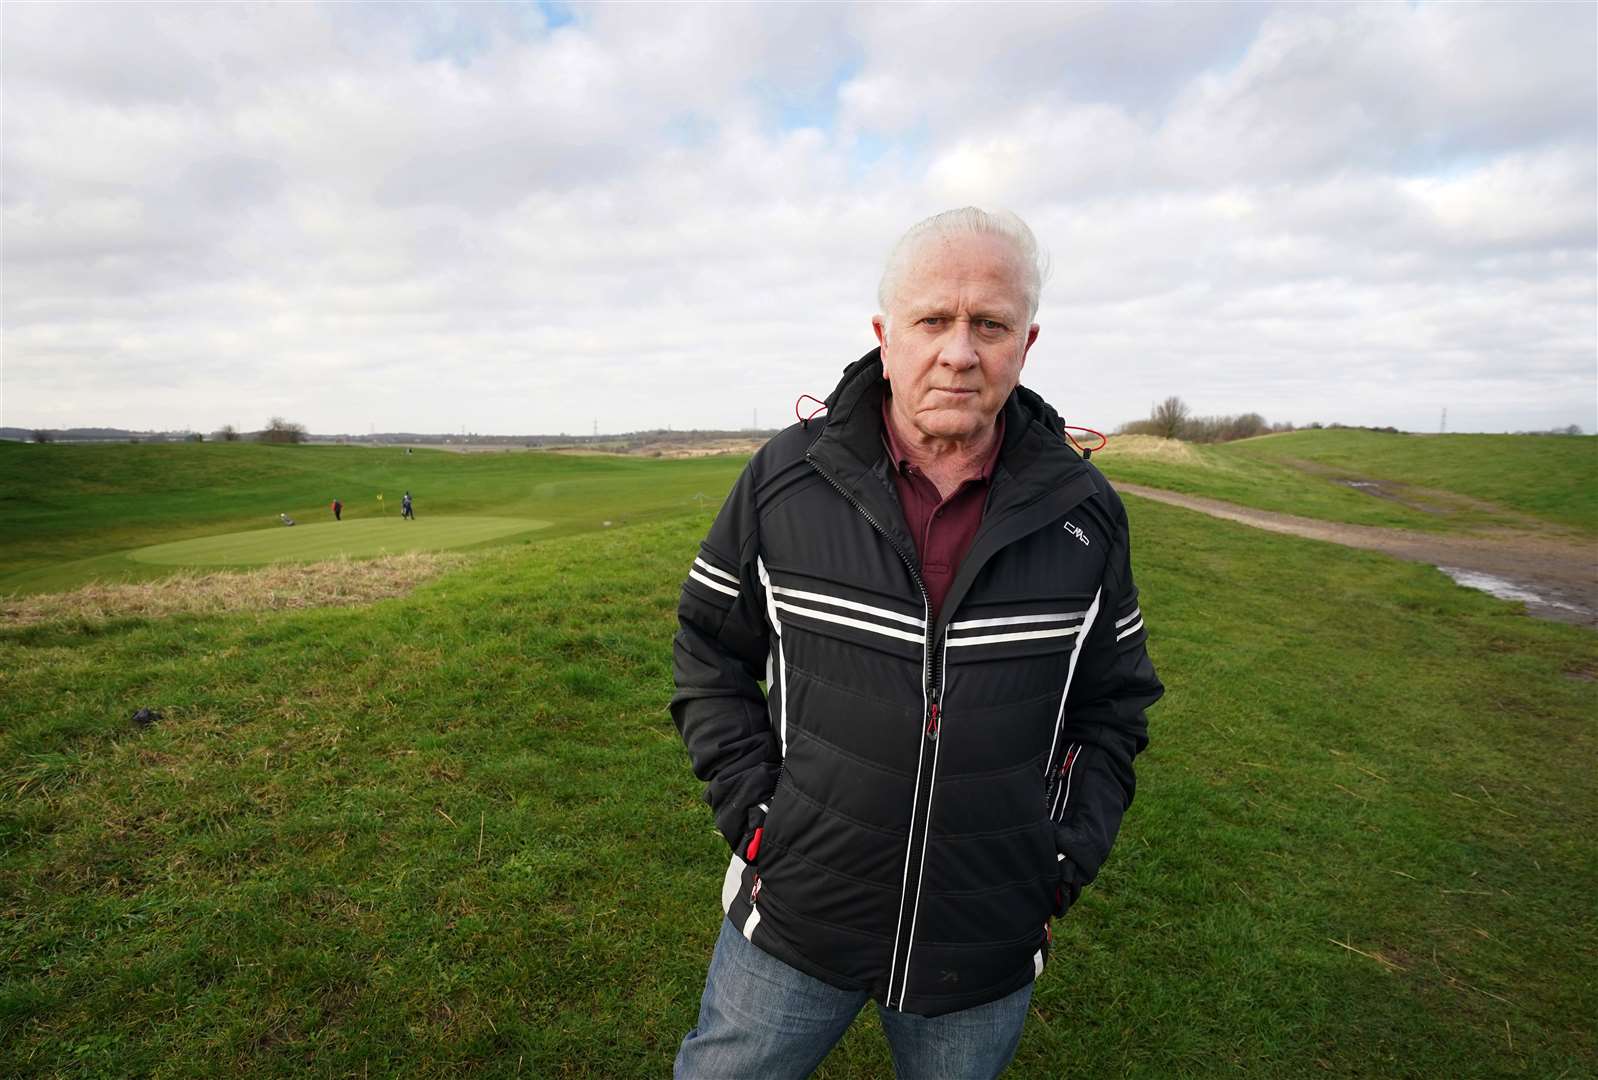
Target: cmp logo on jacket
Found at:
x=1078, y=533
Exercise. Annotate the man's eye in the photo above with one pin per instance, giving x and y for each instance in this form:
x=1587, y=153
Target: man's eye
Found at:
x=932, y=320
x=991, y=325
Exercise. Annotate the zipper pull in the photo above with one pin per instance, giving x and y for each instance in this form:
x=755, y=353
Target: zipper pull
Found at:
x=754, y=891
x=932, y=722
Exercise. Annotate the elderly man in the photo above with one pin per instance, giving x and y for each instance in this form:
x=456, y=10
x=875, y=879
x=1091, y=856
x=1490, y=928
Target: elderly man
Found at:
x=937, y=593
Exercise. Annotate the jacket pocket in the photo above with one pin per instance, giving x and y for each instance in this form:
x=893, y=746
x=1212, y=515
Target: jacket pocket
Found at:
x=755, y=830
x=1067, y=885
x=746, y=853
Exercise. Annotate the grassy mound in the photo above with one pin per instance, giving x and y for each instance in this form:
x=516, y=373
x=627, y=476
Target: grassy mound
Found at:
x=1550, y=477
x=1432, y=483
x=334, y=539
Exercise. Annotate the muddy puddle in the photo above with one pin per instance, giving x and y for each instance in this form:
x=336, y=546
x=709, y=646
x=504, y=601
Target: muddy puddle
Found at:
x=1548, y=607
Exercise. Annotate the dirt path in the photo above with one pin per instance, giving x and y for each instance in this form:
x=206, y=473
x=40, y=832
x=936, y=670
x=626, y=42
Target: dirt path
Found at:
x=1557, y=576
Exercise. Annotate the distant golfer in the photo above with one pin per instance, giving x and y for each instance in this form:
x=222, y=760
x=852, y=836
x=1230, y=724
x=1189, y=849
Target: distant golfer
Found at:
x=338, y=510
x=285, y=519
x=406, y=511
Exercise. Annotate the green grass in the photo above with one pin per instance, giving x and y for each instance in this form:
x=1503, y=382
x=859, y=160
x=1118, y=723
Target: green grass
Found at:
x=1440, y=482
x=335, y=539
x=1553, y=478
x=455, y=833
x=73, y=514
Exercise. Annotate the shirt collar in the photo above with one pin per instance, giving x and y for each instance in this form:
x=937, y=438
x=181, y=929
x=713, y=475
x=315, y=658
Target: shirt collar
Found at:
x=901, y=460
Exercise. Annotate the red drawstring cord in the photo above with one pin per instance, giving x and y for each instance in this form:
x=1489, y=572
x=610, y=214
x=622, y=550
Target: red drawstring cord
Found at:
x=1103, y=439
x=803, y=419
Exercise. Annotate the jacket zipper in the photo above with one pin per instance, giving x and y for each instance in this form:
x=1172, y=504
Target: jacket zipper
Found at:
x=933, y=720
x=1057, y=776
x=909, y=564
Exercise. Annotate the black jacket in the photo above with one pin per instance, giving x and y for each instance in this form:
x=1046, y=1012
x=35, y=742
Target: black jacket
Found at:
x=925, y=796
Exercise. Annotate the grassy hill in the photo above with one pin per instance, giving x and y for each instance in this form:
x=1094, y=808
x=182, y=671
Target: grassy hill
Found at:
x=70, y=513
x=1554, y=478
x=454, y=832
x=1427, y=482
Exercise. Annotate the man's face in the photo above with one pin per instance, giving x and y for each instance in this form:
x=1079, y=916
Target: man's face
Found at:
x=956, y=336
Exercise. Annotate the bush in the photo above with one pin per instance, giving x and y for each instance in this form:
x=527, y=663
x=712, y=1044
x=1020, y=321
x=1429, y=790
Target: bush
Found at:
x=1210, y=429
x=1172, y=419
x=279, y=430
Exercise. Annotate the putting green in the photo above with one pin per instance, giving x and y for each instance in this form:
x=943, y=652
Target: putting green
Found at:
x=329, y=540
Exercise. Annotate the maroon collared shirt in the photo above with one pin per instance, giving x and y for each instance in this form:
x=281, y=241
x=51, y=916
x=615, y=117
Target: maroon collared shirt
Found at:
x=943, y=529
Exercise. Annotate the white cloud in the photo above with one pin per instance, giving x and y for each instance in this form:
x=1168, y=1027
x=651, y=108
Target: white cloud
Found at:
x=422, y=217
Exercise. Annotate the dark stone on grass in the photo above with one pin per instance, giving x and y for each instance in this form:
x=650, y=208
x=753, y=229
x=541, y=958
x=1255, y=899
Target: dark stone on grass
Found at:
x=146, y=717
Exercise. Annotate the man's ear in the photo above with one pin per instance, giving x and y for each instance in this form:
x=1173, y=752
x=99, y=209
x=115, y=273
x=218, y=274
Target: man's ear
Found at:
x=1031, y=339
x=879, y=325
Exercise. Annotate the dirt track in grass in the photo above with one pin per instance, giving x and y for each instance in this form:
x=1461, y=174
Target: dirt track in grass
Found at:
x=1559, y=570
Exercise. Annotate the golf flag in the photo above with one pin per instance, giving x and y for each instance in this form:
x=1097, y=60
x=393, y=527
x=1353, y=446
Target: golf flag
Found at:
x=380, y=500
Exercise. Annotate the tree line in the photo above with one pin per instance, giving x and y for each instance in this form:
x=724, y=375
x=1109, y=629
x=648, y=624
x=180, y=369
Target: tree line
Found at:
x=277, y=430
x=1172, y=419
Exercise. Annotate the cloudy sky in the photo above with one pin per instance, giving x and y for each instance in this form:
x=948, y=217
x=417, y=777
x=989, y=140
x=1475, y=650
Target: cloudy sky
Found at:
x=531, y=217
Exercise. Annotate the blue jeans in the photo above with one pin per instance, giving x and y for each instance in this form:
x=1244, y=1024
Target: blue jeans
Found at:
x=761, y=1018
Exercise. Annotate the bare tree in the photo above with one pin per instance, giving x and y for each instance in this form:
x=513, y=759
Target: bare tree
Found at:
x=227, y=433
x=1168, y=417
x=279, y=430
x=41, y=435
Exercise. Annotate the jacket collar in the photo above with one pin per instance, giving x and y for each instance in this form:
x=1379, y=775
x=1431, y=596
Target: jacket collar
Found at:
x=1034, y=457
x=1038, y=476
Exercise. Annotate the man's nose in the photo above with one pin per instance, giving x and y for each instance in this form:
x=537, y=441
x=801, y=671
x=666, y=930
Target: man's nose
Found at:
x=958, y=349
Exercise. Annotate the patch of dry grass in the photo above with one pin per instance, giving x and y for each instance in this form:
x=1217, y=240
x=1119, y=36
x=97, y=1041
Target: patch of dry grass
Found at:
x=334, y=583
x=671, y=450
x=1174, y=450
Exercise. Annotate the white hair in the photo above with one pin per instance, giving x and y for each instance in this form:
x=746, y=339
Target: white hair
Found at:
x=967, y=220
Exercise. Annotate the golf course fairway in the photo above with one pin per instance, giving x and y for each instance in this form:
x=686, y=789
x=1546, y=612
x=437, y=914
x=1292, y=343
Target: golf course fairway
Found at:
x=330, y=540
